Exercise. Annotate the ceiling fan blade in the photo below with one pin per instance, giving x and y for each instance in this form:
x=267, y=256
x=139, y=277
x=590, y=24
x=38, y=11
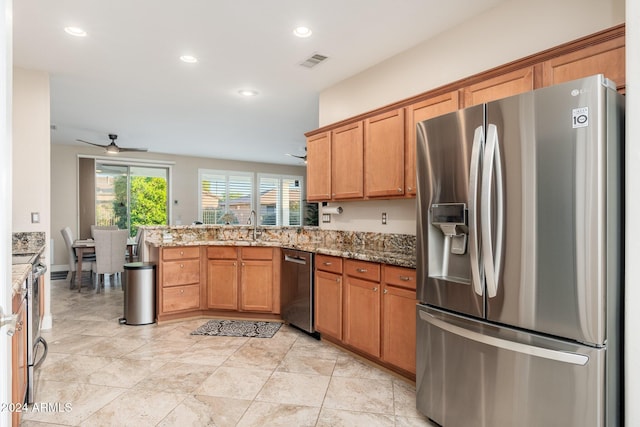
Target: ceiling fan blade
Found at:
x=133, y=149
x=91, y=143
x=293, y=155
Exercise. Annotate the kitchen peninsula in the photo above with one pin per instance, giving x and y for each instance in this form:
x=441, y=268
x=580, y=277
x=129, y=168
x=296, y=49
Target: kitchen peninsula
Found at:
x=364, y=297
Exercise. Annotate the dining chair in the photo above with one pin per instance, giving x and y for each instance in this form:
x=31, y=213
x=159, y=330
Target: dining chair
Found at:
x=111, y=247
x=87, y=259
x=102, y=227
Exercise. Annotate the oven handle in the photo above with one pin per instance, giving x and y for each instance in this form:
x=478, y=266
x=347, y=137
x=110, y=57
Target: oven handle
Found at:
x=42, y=341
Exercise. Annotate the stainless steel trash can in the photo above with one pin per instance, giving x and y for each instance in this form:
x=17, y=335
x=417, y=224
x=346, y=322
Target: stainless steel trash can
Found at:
x=139, y=293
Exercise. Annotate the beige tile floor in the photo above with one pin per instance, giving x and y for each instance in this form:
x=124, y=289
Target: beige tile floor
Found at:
x=109, y=374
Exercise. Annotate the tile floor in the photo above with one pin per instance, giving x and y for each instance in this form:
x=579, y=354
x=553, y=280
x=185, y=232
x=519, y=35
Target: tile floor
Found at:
x=101, y=373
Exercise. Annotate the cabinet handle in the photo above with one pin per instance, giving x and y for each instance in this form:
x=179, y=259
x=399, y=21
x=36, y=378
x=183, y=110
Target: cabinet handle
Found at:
x=235, y=264
x=327, y=263
x=361, y=270
x=375, y=289
x=338, y=280
x=181, y=253
x=243, y=264
x=405, y=278
x=182, y=291
x=385, y=292
x=408, y=188
x=399, y=189
x=181, y=265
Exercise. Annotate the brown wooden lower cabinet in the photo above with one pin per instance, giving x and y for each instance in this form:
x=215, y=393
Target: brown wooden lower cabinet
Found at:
x=328, y=296
x=362, y=315
x=369, y=308
x=243, y=279
x=399, y=327
x=19, y=359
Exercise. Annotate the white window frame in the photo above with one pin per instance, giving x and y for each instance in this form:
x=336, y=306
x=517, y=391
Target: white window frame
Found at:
x=226, y=174
x=279, y=203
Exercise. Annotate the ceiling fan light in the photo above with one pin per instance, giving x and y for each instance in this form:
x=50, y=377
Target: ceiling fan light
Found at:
x=112, y=149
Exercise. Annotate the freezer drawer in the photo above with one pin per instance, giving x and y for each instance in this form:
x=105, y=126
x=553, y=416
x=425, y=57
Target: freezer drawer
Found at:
x=474, y=373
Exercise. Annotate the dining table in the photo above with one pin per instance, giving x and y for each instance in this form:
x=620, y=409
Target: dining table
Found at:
x=88, y=246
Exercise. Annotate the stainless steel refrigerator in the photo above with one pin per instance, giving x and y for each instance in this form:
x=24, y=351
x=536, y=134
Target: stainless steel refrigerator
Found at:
x=519, y=260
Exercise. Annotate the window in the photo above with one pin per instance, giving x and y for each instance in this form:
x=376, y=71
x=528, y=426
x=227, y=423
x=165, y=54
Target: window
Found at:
x=129, y=196
x=225, y=197
x=228, y=197
x=280, y=200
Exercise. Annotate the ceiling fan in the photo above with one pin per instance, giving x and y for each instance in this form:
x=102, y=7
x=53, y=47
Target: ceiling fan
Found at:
x=112, y=147
x=304, y=158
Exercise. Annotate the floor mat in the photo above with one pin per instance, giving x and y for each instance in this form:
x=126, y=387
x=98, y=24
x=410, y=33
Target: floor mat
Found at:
x=238, y=328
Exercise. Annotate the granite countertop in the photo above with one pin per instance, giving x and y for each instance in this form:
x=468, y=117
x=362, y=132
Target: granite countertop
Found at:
x=25, y=243
x=19, y=273
x=375, y=247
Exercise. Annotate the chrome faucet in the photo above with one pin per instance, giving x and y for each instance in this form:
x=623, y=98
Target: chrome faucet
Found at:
x=253, y=222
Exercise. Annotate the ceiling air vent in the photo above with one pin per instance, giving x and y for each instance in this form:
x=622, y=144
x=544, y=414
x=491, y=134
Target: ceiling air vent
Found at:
x=314, y=60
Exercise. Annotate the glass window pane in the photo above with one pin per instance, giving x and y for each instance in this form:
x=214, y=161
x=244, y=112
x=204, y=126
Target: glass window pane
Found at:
x=225, y=197
x=269, y=196
x=130, y=196
x=291, y=201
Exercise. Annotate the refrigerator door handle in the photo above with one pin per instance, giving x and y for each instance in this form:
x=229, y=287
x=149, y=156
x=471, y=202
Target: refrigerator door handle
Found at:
x=492, y=261
x=476, y=158
x=530, y=350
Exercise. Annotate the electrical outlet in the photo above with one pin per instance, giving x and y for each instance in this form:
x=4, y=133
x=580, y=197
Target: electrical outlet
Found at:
x=326, y=218
x=384, y=218
x=35, y=217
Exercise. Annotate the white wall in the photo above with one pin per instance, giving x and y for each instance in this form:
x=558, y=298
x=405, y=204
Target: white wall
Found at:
x=31, y=152
x=510, y=31
x=632, y=233
x=184, y=185
x=5, y=200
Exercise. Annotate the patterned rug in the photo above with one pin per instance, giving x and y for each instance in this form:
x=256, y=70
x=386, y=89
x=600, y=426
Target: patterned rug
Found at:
x=238, y=328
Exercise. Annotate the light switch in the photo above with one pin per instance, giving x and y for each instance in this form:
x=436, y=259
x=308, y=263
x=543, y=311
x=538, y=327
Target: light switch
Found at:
x=326, y=218
x=35, y=217
x=384, y=217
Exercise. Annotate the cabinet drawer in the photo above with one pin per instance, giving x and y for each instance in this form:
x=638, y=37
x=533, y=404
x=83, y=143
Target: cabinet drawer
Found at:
x=400, y=276
x=180, y=253
x=328, y=263
x=181, y=298
x=185, y=272
x=256, y=253
x=222, y=252
x=362, y=269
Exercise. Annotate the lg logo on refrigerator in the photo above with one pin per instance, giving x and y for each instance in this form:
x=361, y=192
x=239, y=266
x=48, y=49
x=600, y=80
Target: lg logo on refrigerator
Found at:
x=580, y=117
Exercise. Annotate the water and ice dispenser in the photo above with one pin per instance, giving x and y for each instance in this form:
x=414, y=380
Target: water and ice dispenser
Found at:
x=448, y=236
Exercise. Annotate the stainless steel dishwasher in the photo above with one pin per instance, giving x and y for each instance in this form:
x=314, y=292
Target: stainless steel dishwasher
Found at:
x=297, y=289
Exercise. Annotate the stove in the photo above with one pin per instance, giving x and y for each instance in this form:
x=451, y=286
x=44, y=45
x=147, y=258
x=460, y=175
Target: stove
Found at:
x=34, y=317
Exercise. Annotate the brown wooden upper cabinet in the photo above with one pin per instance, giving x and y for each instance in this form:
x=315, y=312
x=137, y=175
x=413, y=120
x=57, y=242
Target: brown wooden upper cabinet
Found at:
x=347, y=162
x=319, y=167
x=384, y=154
x=424, y=110
x=499, y=87
x=606, y=58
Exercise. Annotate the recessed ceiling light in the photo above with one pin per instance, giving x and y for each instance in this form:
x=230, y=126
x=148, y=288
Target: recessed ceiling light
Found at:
x=248, y=92
x=302, y=32
x=75, y=31
x=188, y=58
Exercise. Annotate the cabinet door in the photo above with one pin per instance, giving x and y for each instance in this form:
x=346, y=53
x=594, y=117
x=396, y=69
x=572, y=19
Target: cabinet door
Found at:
x=508, y=84
x=222, y=284
x=328, y=304
x=384, y=154
x=256, y=288
x=399, y=327
x=416, y=113
x=362, y=315
x=19, y=360
x=319, y=167
x=603, y=58
x=347, y=162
